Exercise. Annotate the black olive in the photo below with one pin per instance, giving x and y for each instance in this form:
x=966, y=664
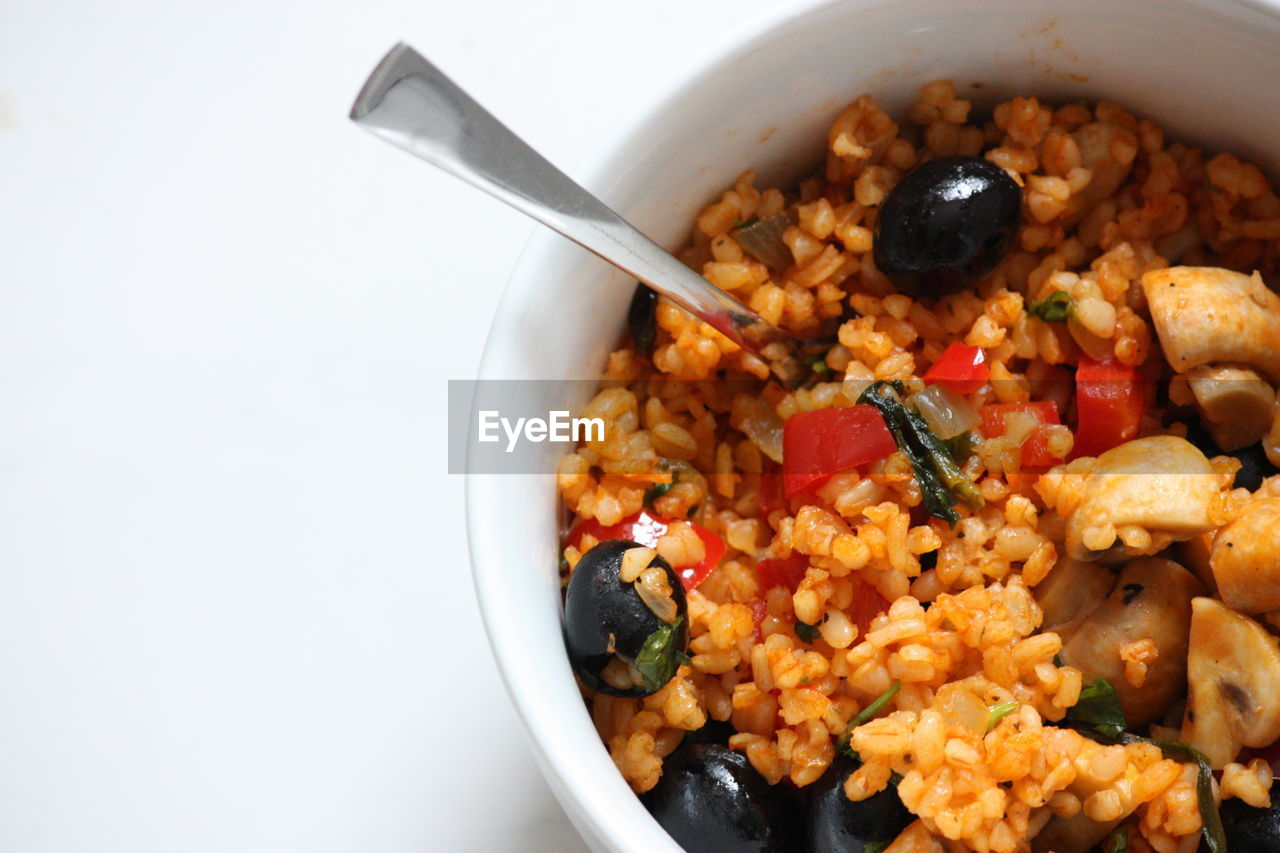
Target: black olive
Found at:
x=836, y=824
x=1254, y=464
x=714, y=731
x=711, y=800
x=642, y=319
x=1251, y=829
x=604, y=618
x=946, y=224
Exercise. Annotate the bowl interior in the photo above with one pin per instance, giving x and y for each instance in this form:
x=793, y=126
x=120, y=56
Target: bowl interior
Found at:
x=763, y=99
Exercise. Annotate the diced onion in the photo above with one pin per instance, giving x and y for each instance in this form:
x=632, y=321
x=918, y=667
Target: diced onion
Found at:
x=762, y=239
x=947, y=413
x=760, y=421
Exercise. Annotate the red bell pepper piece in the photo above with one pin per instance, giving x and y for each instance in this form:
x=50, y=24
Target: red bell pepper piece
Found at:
x=1035, y=450
x=771, y=494
x=868, y=603
x=961, y=368
x=816, y=445
x=787, y=572
x=645, y=528
x=759, y=610
x=1110, y=400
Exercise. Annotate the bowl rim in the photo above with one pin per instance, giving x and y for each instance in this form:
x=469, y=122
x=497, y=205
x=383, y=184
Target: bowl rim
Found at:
x=565, y=774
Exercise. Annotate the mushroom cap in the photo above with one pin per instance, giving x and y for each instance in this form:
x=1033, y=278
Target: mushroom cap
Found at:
x=1072, y=590
x=1233, y=681
x=1208, y=315
x=1234, y=402
x=1160, y=484
x=1151, y=600
x=1246, y=558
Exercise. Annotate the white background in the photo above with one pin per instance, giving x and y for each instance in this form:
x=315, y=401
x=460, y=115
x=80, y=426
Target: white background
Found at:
x=235, y=604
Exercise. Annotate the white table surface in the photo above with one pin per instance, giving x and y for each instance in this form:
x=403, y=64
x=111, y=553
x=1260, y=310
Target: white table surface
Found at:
x=235, y=604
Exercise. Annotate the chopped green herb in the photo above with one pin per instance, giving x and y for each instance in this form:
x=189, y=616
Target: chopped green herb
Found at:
x=874, y=708
x=1056, y=309
x=1057, y=660
x=961, y=446
x=746, y=223
x=942, y=483
x=660, y=656
x=1213, y=188
x=1098, y=709
x=806, y=632
x=999, y=711
x=875, y=846
x=865, y=715
x=819, y=364
x=657, y=490
x=1117, y=842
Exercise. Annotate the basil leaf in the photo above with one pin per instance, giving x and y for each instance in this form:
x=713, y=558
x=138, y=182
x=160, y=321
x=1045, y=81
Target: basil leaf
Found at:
x=1118, y=841
x=944, y=463
x=942, y=483
x=1056, y=309
x=1098, y=709
x=961, y=446
x=1215, y=839
x=999, y=711
x=1210, y=820
x=660, y=655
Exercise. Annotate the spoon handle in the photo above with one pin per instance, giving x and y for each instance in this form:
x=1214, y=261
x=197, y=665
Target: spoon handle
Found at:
x=410, y=103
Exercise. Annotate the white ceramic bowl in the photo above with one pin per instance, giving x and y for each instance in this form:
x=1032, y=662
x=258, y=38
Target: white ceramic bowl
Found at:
x=1206, y=70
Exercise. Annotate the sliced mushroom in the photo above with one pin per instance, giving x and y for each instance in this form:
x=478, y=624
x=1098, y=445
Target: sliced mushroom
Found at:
x=1151, y=600
x=1106, y=150
x=1071, y=591
x=1246, y=558
x=1194, y=555
x=1208, y=315
x=1233, y=681
x=1148, y=493
x=1234, y=402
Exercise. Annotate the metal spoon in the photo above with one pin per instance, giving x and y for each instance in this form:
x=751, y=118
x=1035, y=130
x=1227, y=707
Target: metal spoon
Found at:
x=410, y=103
